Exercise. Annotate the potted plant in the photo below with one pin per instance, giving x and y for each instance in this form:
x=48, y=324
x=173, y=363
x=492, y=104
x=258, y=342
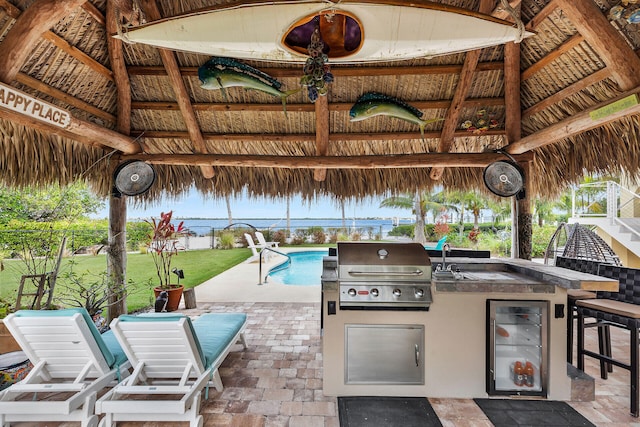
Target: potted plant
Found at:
x=163, y=246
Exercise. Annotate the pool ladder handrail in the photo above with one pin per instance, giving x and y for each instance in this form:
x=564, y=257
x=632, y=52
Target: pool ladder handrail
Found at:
x=287, y=263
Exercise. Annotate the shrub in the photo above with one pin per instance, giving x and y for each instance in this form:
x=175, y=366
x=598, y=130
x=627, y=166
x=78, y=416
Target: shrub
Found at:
x=333, y=235
x=299, y=237
x=319, y=237
x=279, y=236
x=540, y=238
x=404, y=230
x=440, y=229
x=226, y=240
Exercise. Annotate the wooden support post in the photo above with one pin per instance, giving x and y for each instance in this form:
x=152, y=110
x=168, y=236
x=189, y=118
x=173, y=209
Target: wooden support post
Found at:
x=525, y=217
x=117, y=255
x=189, y=296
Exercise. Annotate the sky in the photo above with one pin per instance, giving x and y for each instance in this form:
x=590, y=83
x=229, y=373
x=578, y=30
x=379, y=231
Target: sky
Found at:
x=195, y=206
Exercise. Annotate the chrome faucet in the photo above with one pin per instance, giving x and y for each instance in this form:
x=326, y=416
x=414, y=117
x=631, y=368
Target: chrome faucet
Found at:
x=445, y=248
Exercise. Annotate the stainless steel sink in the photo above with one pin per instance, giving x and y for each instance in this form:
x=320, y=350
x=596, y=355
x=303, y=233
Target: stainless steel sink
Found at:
x=488, y=276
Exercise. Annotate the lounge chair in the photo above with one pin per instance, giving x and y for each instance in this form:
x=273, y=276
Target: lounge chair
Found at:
x=255, y=249
x=263, y=242
x=174, y=361
x=251, y=245
x=439, y=245
x=71, y=361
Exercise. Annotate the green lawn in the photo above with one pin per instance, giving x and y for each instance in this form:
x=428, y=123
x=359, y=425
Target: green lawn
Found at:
x=198, y=266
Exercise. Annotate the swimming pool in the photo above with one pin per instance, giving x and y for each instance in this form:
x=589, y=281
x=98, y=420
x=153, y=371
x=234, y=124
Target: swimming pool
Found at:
x=305, y=269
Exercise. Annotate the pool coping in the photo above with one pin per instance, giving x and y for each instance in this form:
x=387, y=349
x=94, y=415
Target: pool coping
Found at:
x=240, y=284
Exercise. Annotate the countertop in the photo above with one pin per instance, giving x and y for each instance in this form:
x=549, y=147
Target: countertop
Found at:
x=513, y=275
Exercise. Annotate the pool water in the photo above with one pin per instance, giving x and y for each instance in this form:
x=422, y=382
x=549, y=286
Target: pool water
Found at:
x=305, y=269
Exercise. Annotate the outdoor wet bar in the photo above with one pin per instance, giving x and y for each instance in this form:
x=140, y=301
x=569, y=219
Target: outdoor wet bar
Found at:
x=397, y=322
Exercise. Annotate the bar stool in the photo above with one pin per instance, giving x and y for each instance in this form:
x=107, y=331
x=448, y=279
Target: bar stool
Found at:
x=574, y=295
x=619, y=314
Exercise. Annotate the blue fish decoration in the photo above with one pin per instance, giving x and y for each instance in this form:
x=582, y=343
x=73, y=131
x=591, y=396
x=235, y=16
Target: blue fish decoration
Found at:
x=375, y=104
x=220, y=73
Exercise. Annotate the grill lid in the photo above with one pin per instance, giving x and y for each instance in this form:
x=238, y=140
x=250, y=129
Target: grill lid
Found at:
x=362, y=253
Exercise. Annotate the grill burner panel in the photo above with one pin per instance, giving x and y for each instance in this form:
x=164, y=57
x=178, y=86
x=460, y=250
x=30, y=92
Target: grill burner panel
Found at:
x=405, y=295
x=383, y=276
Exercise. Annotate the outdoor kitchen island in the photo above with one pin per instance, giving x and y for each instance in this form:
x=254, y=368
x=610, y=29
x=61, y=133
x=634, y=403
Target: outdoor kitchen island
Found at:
x=392, y=327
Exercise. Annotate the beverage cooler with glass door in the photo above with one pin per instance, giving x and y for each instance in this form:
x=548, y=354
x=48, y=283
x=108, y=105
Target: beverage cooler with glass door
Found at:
x=517, y=347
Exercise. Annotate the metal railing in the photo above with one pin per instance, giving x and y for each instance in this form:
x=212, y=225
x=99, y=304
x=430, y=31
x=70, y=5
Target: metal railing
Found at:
x=283, y=265
x=610, y=200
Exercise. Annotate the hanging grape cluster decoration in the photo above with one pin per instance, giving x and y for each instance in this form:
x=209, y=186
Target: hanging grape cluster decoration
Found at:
x=317, y=74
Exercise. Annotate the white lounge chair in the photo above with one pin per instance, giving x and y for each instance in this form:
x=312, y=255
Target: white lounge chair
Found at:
x=71, y=361
x=255, y=249
x=263, y=242
x=174, y=360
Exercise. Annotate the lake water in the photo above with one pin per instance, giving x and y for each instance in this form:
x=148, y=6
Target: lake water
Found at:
x=376, y=226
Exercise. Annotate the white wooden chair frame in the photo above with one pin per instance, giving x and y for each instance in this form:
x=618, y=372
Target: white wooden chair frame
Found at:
x=167, y=369
x=68, y=365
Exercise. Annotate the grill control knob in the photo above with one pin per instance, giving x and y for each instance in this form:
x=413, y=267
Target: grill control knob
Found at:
x=374, y=292
x=352, y=292
x=419, y=293
x=397, y=292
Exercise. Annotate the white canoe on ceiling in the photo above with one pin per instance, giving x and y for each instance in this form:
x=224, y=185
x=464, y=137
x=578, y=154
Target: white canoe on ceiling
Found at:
x=389, y=31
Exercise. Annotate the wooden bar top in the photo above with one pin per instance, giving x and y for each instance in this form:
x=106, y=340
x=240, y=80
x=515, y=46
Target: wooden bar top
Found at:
x=620, y=308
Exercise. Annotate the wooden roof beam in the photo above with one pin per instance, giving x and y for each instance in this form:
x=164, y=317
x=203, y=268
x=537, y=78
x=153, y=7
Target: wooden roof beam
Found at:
x=542, y=15
x=27, y=31
x=304, y=107
x=150, y=8
x=464, y=83
x=64, y=97
x=513, y=116
x=123, y=84
x=470, y=160
x=95, y=13
x=336, y=70
x=612, y=48
x=307, y=137
x=501, y=13
x=84, y=132
x=573, y=125
x=322, y=134
x=61, y=43
x=556, y=53
x=567, y=92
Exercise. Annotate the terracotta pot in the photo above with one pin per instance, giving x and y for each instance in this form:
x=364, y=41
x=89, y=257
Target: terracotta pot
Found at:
x=175, y=293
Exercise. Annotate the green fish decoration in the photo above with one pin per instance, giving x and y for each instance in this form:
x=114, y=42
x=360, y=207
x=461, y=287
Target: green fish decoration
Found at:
x=219, y=73
x=376, y=104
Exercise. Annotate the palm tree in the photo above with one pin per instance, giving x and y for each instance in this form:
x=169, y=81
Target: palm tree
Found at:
x=420, y=203
x=543, y=210
x=456, y=199
x=289, y=215
x=500, y=210
x=228, y=200
x=475, y=202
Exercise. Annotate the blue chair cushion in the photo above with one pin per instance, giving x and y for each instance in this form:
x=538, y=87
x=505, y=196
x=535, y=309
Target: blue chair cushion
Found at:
x=110, y=348
x=215, y=332
x=167, y=317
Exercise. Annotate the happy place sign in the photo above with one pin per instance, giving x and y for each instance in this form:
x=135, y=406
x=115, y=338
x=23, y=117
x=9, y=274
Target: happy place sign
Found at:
x=20, y=102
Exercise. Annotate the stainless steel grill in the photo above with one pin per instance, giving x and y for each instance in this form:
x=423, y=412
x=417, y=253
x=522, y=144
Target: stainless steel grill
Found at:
x=382, y=276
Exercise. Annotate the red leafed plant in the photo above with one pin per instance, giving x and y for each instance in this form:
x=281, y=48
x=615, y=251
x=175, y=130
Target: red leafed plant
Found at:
x=164, y=244
x=473, y=235
x=441, y=228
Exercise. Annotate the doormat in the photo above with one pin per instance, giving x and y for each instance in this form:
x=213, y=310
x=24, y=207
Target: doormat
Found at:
x=386, y=412
x=513, y=413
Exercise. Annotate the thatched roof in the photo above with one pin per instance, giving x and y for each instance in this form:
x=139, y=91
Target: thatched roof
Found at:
x=124, y=104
